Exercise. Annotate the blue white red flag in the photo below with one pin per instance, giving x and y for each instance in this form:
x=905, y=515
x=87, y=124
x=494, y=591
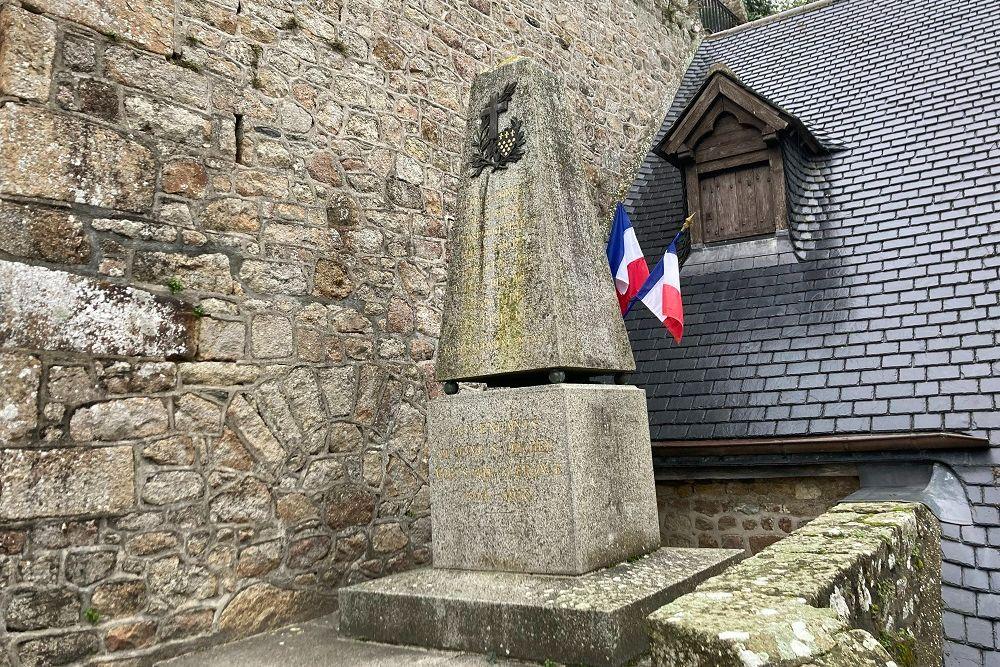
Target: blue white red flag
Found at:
x=628, y=266
x=662, y=292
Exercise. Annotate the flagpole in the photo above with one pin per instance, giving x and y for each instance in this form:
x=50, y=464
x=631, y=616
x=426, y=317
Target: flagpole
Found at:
x=684, y=228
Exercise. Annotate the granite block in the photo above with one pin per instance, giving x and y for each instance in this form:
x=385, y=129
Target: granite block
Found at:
x=553, y=479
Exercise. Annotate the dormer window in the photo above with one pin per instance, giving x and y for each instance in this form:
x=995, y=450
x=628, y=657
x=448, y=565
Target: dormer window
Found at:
x=727, y=143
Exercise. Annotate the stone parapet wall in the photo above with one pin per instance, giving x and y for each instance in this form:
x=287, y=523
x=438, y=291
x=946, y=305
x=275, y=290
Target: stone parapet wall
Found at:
x=222, y=258
x=748, y=514
x=859, y=585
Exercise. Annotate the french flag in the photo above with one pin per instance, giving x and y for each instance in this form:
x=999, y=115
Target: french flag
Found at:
x=662, y=293
x=628, y=266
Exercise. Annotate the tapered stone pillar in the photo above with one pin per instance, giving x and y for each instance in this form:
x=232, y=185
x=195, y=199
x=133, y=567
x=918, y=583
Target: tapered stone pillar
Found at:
x=529, y=288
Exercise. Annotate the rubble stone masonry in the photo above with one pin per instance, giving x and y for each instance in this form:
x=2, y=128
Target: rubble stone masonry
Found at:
x=222, y=257
x=748, y=514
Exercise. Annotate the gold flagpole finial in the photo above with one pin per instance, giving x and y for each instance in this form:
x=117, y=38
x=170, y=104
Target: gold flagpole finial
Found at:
x=688, y=221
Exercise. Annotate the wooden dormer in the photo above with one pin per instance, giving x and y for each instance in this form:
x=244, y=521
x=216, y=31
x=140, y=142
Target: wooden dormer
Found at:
x=727, y=143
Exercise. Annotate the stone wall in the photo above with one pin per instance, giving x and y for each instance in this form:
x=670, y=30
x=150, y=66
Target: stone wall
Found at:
x=860, y=585
x=748, y=514
x=222, y=257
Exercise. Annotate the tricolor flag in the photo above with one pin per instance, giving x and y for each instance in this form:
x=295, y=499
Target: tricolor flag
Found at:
x=662, y=292
x=628, y=266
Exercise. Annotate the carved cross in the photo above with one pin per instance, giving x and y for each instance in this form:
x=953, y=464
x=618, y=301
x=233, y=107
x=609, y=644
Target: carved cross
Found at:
x=491, y=116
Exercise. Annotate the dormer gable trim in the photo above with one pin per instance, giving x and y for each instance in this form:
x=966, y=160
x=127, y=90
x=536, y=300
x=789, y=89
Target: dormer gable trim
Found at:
x=723, y=93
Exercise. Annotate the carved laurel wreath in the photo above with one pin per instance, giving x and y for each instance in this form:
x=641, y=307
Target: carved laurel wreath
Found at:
x=505, y=149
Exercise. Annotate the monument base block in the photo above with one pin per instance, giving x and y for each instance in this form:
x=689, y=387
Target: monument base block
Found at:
x=597, y=618
x=553, y=479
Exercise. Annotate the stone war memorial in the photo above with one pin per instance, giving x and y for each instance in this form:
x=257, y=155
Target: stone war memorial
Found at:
x=543, y=509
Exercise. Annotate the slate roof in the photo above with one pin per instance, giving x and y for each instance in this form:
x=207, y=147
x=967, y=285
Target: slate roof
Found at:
x=882, y=312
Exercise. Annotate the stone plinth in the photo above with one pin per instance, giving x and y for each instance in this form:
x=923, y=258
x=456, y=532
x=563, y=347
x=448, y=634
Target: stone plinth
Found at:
x=595, y=619
x=554, y=479
x=528, y=283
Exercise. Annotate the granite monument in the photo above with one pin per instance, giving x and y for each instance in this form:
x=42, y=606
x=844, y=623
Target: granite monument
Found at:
x=543, y=506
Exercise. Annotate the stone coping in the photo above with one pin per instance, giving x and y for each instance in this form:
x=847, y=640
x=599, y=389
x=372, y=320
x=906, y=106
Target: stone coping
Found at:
x=859, y=585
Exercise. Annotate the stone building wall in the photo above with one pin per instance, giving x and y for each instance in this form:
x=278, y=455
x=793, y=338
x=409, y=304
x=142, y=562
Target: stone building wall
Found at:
x=748, y=514
x=222, y=256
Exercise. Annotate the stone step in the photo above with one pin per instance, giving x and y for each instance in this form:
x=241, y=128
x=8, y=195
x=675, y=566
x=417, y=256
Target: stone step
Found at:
x=597, y=618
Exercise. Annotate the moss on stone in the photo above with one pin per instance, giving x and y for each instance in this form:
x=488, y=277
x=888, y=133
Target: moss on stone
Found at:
x=902, y=645
x=866, y=568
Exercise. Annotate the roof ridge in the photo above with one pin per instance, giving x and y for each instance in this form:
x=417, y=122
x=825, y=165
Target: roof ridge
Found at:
x=788, y=13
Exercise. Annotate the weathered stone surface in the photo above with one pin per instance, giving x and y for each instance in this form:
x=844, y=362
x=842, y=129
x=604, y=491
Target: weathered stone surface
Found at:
x=332, y=279
x=135, y=229
x=262, y=606
x=195, y=413
x=246, y=420
x=84, y=568
x=249, y=501
x=119, y=420
x=205, y=273
x=27, y=49
x=53, y=310
x=389, y=537
x=217, y=373
x=304, y=552
x=150, y=543
x=61, y=649
x=46, y=155
x=349, y=506
x=229, y=452
x=271, y=336
x=754, y=629
x=232, y=215
x=149, y=24
x=220, y=339
x=20, y=375
x=48, y=234
x=184, y=177
x=259, y=559
x=71, y=385
x=118, y=599
x=272, y=278
x=235, y=105
x=66, y=482
x=860, y=571
x=129, y=636
x=531, y=224
x=156, y=75
x=187, y=624
x=551, y=479
x=594, y=619
x=172, y=486
x=34, y=610
x=176, y=450
x=338, y=385
x=12, y=542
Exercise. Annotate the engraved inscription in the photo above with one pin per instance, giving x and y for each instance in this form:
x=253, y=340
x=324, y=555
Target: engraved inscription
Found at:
x=497, y=462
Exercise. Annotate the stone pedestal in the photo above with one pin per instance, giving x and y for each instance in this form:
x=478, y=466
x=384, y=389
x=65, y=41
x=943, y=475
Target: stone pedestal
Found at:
x=553, y=479
x=594, y=619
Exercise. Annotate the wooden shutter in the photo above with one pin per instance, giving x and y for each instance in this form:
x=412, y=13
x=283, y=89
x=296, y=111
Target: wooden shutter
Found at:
x=737, y=203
